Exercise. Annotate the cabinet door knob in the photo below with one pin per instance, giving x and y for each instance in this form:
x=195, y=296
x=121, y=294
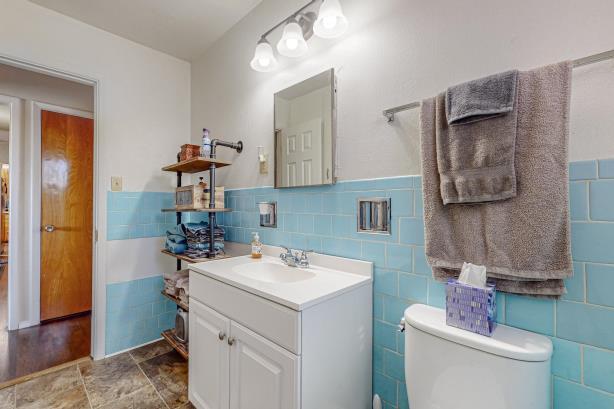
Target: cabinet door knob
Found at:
x=231, y=341
x=221, y=335
x=49, y=228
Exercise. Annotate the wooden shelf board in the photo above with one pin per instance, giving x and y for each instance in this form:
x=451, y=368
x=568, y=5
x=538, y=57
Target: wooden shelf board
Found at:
x=216, y=210
x=169, y=336
x=194, y=260
x=176, y=300
x=195, y=165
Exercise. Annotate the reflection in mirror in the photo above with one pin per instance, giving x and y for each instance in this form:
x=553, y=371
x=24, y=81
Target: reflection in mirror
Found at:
x=305, y=132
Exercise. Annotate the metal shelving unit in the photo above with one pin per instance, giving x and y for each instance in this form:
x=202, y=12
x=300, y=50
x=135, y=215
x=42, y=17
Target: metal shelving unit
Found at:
x=197, y=165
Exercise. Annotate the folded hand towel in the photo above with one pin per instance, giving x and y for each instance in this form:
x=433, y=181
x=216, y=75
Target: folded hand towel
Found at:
x=481, y=99
x=175, y=248
x=524, y=241
x=475, y=158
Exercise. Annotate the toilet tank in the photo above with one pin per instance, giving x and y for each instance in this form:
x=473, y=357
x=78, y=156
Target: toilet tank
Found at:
x=450, y=368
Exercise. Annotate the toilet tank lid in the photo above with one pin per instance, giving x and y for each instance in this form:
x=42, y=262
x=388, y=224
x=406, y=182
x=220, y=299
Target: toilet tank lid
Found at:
x=506, y=341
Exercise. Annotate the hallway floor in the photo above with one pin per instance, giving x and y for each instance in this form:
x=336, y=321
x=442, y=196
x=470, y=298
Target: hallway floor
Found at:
x=29, y=350
x=150, y=377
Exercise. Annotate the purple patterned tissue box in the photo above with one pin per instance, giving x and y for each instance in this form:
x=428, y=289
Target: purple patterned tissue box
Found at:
x=471, y=308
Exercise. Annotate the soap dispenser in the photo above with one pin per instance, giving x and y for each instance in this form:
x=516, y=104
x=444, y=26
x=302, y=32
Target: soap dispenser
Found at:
x=256, y=246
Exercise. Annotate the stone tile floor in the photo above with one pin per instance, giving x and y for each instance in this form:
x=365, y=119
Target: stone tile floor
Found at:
x=151, y=377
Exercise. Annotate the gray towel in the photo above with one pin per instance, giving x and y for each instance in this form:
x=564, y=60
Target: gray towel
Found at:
x=475, y=157
x=481, y=99
x=524, y=241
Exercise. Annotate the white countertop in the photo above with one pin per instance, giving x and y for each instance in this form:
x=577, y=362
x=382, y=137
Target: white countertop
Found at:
x=331, y=276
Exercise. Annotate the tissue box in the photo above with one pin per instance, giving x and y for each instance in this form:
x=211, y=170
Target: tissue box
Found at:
x=470, y=308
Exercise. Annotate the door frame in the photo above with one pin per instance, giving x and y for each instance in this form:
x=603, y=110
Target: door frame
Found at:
x=97, y=346
x=15, y=263
x=35, y=195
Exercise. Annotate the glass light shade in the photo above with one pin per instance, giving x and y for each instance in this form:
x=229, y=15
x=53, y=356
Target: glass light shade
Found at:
x=292, y=42
x=264, y=60
x=331, y=22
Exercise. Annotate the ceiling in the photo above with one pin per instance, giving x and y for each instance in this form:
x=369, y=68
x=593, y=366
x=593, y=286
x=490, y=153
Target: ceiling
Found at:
x=183, y=28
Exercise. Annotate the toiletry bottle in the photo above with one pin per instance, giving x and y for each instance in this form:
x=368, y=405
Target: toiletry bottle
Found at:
x=256, y=246
x=205, y=148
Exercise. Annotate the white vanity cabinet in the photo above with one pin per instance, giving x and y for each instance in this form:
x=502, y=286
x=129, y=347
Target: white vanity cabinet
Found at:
x=250, y=352
x=233, y=367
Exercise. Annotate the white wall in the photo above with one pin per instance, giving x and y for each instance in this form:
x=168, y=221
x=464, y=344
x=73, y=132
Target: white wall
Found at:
x=4, y=152
x=28, y=85
x=143, y=105
x=395, y=52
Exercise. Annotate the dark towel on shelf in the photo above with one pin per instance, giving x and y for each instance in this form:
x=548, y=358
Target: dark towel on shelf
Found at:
x=524, y=241
x=476, y=140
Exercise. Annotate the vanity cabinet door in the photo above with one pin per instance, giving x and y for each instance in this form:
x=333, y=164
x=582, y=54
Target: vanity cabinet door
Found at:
x=262, y=374
x=209, y=357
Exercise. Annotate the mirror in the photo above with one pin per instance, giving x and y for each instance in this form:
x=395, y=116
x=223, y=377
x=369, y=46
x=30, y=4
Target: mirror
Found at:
x=305, y=132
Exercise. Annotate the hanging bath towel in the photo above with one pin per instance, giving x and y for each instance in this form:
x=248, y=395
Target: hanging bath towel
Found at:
x=523, y=241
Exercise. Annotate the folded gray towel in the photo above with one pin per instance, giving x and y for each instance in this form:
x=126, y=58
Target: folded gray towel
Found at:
x=475, y=158
x=481, y=99
x=524, y=241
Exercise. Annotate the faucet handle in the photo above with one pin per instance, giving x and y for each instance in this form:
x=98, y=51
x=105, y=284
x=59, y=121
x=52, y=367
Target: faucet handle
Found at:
x=303, y=260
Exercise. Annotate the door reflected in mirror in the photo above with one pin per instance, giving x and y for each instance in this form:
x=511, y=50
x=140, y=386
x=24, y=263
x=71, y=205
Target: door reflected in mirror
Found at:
x=305, y=132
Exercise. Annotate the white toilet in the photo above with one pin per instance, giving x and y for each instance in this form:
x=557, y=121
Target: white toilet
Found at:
x=449, y=368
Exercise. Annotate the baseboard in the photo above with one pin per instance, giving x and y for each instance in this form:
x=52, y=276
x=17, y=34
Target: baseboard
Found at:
x=131, y=348
x=26, y=324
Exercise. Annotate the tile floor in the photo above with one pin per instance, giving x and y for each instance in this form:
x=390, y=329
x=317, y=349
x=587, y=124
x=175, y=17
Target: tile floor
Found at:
x=150, y=377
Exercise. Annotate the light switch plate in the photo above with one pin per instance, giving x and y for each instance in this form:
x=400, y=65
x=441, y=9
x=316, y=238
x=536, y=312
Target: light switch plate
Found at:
x=116, y=183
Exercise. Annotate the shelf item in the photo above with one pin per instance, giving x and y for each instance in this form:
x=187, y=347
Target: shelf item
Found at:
x=169, y=336
x=195, y=165
x=216, y=210
x=176, y=300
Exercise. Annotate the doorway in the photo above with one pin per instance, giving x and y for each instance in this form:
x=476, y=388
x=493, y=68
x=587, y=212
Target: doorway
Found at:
x=50, y=209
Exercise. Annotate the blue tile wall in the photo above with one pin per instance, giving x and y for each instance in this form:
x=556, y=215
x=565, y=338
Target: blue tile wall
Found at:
x=581, y=325
x=136, y=313
x=135, y=215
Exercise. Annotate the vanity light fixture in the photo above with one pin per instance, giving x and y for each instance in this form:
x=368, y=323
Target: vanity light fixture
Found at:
x=292, y=43
x=264, y=60
x=331, y=22
x=298, y=28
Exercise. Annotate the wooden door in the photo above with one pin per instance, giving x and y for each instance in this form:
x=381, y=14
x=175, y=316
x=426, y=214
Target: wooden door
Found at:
x=67, y=156
x=262, y=374
x=209, y=357
x=301, y=148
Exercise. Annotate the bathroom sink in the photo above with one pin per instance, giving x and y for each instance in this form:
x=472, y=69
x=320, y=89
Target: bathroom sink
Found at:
x=272, y=272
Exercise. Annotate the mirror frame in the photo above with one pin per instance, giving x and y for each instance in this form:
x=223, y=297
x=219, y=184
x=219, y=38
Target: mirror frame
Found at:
x=333, y=137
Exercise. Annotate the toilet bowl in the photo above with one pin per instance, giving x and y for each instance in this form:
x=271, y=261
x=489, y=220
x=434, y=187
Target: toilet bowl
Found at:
x=449, y=368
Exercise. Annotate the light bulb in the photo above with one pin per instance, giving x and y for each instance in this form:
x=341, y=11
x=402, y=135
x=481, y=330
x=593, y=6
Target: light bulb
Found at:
x=331, y=22
x=264, y=60
x=292, y=43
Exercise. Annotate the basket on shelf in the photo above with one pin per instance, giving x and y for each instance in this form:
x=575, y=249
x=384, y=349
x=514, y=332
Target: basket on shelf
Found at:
x=189, y=151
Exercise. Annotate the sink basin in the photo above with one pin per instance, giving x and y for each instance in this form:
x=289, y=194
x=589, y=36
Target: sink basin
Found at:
x=272, y=272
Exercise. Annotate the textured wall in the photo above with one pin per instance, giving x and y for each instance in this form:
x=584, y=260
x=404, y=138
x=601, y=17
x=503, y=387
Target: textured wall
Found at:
x=395, y=52
x=581, y=325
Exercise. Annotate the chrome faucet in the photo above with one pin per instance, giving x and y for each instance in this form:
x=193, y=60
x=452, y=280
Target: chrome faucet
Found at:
x=295, y=259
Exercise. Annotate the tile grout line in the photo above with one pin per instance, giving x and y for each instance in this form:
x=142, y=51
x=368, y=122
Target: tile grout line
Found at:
x=151, y=383
x=87, y=394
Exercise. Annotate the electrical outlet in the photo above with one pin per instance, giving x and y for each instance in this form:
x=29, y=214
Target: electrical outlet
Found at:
x=116, y=183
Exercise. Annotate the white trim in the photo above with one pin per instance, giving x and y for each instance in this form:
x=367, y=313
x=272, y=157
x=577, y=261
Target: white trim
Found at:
x=35, y=199
x=15, y=261
x=98, y=279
